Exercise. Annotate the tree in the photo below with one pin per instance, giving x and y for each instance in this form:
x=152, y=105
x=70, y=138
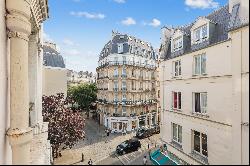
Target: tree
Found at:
x=66, y=124
x=84, y=95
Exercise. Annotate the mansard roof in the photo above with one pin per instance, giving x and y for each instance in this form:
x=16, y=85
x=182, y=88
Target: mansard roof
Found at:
x=129, y=41
x=220, y=18
x=52, y=57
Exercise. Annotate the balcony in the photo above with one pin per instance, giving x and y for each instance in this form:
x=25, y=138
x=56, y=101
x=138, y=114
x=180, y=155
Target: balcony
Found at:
x=116, y=89
x=115, y=76
x=124, y=89
x=124, y=76
x=129, y=63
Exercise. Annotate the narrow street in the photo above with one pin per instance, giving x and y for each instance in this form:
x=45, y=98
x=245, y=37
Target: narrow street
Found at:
x=101, y=153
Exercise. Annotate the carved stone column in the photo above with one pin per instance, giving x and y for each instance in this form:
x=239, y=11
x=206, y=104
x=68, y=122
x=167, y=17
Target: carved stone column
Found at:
x=19, y=27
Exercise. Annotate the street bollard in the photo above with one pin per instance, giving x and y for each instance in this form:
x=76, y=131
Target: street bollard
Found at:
x=82, y=157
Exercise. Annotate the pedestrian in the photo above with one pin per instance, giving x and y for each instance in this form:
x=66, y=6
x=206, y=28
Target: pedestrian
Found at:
x=145, y=160
x=148, y=146
x=90, y=162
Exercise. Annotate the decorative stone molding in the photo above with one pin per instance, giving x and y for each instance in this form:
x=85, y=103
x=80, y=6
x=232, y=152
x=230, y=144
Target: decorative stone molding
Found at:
x=14, y=34
x=18, y=136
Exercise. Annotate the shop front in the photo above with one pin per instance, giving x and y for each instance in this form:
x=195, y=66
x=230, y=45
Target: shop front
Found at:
x=121, y=124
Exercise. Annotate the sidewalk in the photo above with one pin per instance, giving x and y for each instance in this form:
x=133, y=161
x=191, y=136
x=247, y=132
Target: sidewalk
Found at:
x=93, y=146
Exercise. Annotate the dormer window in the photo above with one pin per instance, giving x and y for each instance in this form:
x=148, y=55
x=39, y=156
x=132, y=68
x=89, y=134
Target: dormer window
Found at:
x=120, y=48
x=200, y=34
x=177, y=44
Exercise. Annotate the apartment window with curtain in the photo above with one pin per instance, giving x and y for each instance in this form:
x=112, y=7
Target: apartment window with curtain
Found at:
x=200, y=143
x=200, y=103
x=176, y=133
x=177, y=68
x=176, y=100
x=200, y=64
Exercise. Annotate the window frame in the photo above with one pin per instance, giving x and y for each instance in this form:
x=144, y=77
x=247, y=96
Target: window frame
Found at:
x=177, y=43
x=200, y=37
x=120, y=48
x=178, y=140
x=203, y=109
x=178, y=101
x=200, y=143
x=176, y=73
x=202, y=65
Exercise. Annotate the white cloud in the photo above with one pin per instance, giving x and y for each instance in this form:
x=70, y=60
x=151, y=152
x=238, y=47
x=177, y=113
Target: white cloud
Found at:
x=202, y=4
x=154, y=23
x=120, y=1
x=88, y=15
x=71, y=52
x=68, y=42
x=128, y=21
x=46, y=37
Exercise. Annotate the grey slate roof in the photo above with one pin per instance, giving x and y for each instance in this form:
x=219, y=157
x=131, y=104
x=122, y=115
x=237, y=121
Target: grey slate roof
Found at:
x=52, y=58
x=221, y=18
x=128, y=42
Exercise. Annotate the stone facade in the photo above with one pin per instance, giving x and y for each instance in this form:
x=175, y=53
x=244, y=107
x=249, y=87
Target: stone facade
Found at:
x=126, y=81
x=204, y=90
x=54, y=71
x=21, y=63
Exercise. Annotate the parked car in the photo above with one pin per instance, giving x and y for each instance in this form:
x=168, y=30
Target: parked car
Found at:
x=128, y=146
x=156, y=129
x=144, y=133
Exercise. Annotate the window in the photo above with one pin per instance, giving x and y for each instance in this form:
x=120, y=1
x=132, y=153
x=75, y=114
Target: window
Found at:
x=124, y=71
x=200, y=143
x=120, y=48
x=124, y=112
x=116, y=85
x=124, y=84
x=177, y=44
x=176, y=100
x=177, y=133
x=200, y=64
x=116, y=97
x=116, y=72
x=200, y=34
x=124, y=97
x=200, y=103
x=177, y=68
x=124, y=60
x=133, y=85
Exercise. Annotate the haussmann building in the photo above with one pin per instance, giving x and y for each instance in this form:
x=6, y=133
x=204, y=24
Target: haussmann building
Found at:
x=126, y=81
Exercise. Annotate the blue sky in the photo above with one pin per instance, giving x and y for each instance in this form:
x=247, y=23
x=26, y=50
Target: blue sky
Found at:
x=82, y=27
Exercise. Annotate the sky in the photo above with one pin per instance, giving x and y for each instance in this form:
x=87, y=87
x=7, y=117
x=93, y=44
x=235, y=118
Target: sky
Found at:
x=81, y=28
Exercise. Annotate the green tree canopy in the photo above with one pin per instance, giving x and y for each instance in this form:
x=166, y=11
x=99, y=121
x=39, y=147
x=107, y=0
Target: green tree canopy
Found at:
x=83, y=94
